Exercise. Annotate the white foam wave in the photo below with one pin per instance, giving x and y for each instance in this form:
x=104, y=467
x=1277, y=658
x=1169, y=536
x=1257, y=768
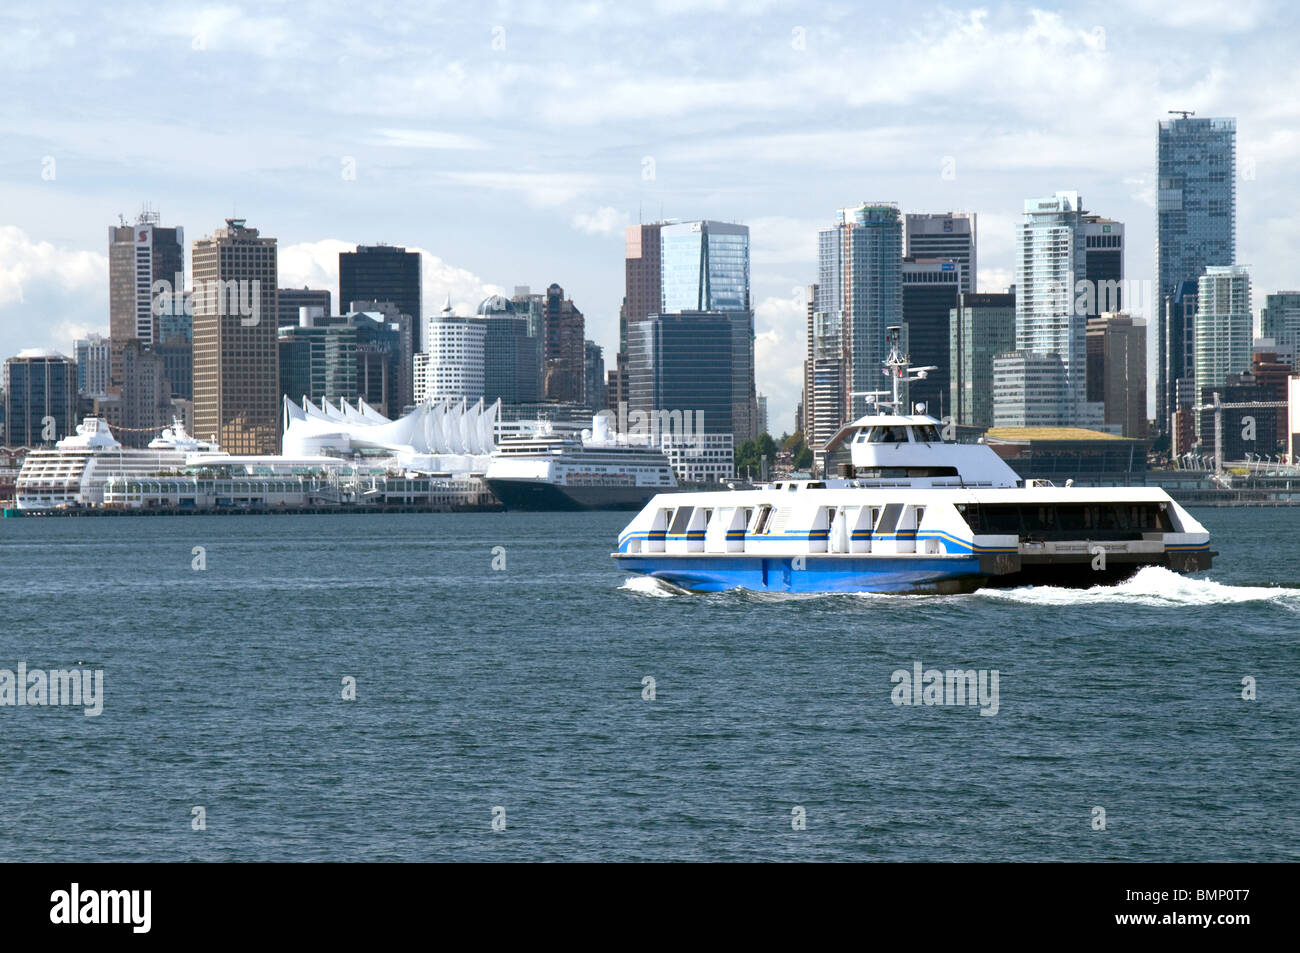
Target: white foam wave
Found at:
x=649, y=586
x=1152, y=586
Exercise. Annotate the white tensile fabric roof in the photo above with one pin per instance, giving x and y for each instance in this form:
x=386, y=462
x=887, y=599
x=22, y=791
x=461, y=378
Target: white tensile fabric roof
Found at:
x=438, y=428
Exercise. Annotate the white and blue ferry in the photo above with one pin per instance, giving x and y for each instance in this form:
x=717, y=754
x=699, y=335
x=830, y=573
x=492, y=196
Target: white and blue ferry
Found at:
x=917, y=514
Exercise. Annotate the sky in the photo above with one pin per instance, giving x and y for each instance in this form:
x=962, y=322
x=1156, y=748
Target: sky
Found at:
x=512, y=142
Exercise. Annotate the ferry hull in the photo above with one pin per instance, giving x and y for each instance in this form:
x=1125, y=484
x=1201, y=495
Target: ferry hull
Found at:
x=537, y=496
x=824, y=574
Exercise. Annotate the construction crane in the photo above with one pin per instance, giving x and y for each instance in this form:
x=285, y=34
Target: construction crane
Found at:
x=1182, y=112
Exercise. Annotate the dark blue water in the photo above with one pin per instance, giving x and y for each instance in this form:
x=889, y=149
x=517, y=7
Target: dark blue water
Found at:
x=522, y=689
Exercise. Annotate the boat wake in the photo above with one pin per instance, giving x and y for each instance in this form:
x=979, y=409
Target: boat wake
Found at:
x=1151, y=586
x=649, y=586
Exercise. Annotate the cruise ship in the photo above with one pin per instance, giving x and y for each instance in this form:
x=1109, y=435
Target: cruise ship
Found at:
x=546, y=468
x=75, y=472
x=912, y=514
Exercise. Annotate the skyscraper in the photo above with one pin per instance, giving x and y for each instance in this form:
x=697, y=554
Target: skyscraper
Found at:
x=705, y=268
x=1196, y=202
x=384, y=273
x=860, y=292
x=94, y=363
x=1117, y=371
x=1224, y=326
x=512, y=354
x=681, y=363
x=593, y=369
x=948, y=235
x=565, y=329
x=452, y=364
x=1103, y=266
x=1050, y=271
x=139, y=256
x=981, y=327
x=643, y=288
x=40, y=397
x=236, y=357
x=930, y=290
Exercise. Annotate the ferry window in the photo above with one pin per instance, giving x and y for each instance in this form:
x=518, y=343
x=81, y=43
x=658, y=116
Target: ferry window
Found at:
x=876, y=435
x=889, y=519
x=929, y=433
x=668, y=518
x=760, y=526
x=920, y=515
x=680, y=521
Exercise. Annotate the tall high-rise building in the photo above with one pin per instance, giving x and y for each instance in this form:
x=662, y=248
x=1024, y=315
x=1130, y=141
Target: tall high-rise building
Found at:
x=146, y=395
x=562, y=345
x=236, y=357
x=452, y=364
x=593, y=369
x=1050, y=272
x=318, y=357
x=1177, y=360
x=930, y=290
x=1196, y=205
x=679, y=363
x=40, y=397
x=643, y=288
x=385, y=355
x=860, y=292
x=705, y=268
x=1279, y=319
x=384, y=273
x=94, y=364
x=1117, y=371
x=825, y=402
x=512, y=354
x=1103, y=266
x=981, y=327
x=948, y=235
x=139, y=257
x=176, y=346
x=1224, y=326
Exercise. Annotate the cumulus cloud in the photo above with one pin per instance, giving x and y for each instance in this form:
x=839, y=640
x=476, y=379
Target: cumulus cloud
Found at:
x=49, y=295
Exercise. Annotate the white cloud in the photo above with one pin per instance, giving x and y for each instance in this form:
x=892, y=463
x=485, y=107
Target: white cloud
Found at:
x=539, y=189
x=425, y=139
x=49, y=295
x=603, y=221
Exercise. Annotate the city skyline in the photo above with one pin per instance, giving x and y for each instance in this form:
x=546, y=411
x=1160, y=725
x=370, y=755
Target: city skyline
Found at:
x=760, y=131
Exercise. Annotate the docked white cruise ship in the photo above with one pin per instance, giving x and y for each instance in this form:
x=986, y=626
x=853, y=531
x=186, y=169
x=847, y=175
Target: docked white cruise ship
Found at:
x=545, y=468
x=76, y=470
x=918, y=515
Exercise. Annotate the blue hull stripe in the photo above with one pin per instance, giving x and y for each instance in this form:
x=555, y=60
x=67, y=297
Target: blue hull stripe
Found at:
x=905, y=573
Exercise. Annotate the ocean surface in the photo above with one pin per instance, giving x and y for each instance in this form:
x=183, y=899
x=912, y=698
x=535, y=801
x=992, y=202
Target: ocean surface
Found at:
x=516, y=694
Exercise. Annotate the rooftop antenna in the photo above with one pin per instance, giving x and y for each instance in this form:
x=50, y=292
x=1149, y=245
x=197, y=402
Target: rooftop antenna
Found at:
x=1182, y=112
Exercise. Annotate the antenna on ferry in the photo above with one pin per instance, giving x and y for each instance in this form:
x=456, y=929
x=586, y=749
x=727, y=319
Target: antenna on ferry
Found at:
x=898, y=369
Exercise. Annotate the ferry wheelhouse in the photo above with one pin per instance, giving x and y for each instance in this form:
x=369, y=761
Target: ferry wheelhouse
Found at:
x=914, y=513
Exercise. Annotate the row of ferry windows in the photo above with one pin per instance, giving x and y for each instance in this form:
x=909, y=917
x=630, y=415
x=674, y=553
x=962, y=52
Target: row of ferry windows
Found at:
x=759, y=520
x=924, y=433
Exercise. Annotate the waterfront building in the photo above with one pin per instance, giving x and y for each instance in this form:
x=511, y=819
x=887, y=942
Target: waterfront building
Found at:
x=643, y=278
x=681, y=363
x=1030, y=389
x=593, y=369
